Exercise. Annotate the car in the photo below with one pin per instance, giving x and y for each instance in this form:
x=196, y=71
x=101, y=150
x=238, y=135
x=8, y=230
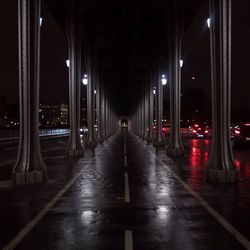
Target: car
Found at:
x=198, y=131
x=165, y=128
x=240, y=134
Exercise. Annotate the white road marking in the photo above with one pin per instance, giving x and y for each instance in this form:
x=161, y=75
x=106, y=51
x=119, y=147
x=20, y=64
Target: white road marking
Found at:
x=128, y=240
x=125, y=161
x=126, y=182
x=230, y=228
x=21, y=234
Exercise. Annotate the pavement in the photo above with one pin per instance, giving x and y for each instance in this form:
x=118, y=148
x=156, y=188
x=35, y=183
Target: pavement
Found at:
x=124, y=195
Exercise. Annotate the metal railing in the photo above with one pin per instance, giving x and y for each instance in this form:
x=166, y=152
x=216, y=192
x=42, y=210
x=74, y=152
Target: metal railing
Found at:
x=14, y=133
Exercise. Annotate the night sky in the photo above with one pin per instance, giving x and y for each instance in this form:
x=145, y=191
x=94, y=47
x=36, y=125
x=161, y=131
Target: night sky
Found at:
x=54, y=73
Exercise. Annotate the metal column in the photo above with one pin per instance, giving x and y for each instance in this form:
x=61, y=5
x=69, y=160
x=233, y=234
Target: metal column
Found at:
x=150, y=111
x=101, y=111
x=221, y=166
x=74, y=40
x=175, y=147
x=29, y=167
x=91, y=141
x=158, y=142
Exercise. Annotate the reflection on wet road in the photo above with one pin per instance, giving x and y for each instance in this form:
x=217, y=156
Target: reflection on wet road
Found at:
x=198, y=151
x=128, y=196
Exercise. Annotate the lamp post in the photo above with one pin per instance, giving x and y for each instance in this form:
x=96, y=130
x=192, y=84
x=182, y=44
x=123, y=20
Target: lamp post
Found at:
x=162, y=81
x=175, y=147
x=85, y=80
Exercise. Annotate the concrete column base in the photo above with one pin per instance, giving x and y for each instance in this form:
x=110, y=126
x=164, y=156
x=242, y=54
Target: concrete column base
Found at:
x=34, y=177
x=158, y=144
x=149, y=141
x=175, y=152
x=101, y=141
x=75, y=152
x=92, y=144
x=221, y=176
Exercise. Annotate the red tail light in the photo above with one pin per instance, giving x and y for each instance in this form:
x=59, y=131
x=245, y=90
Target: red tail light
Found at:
x=237, y=132
x=194, y=131
x=206, y=131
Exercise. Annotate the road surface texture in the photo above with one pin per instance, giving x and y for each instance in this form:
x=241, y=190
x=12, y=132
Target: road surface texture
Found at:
x=125, y=195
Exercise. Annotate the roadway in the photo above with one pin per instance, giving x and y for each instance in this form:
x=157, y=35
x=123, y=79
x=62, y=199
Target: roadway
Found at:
x=126, y=195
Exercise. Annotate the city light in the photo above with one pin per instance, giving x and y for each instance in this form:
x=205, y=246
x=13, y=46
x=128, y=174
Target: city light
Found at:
x=95, y=91
x=154, y=91
x=41, y=21
x=67, y=63
x=181, y=63
x=208, y=23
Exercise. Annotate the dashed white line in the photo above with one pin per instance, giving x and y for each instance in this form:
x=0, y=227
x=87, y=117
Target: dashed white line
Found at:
x=126, y=182
x=125, y=161
x=128, y=240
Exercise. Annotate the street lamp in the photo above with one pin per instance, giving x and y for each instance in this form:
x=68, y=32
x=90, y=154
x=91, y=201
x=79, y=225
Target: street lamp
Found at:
x=85, y=80
x=164, y=80
x=154, y=91
x=67, y=63
x=208, y=23
x=41, y=21
x=181, y=63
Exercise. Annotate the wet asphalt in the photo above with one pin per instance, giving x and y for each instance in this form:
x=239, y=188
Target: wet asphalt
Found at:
x=125, y=195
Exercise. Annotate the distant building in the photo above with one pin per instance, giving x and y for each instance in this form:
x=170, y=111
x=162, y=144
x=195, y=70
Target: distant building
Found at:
x=54, y=115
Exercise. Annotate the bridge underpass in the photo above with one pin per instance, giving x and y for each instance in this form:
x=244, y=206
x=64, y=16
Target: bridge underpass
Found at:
x=122, y=187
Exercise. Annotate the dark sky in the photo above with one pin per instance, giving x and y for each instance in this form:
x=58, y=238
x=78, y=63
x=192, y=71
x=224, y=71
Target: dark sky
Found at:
x=54, y=73
x=196, y=53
